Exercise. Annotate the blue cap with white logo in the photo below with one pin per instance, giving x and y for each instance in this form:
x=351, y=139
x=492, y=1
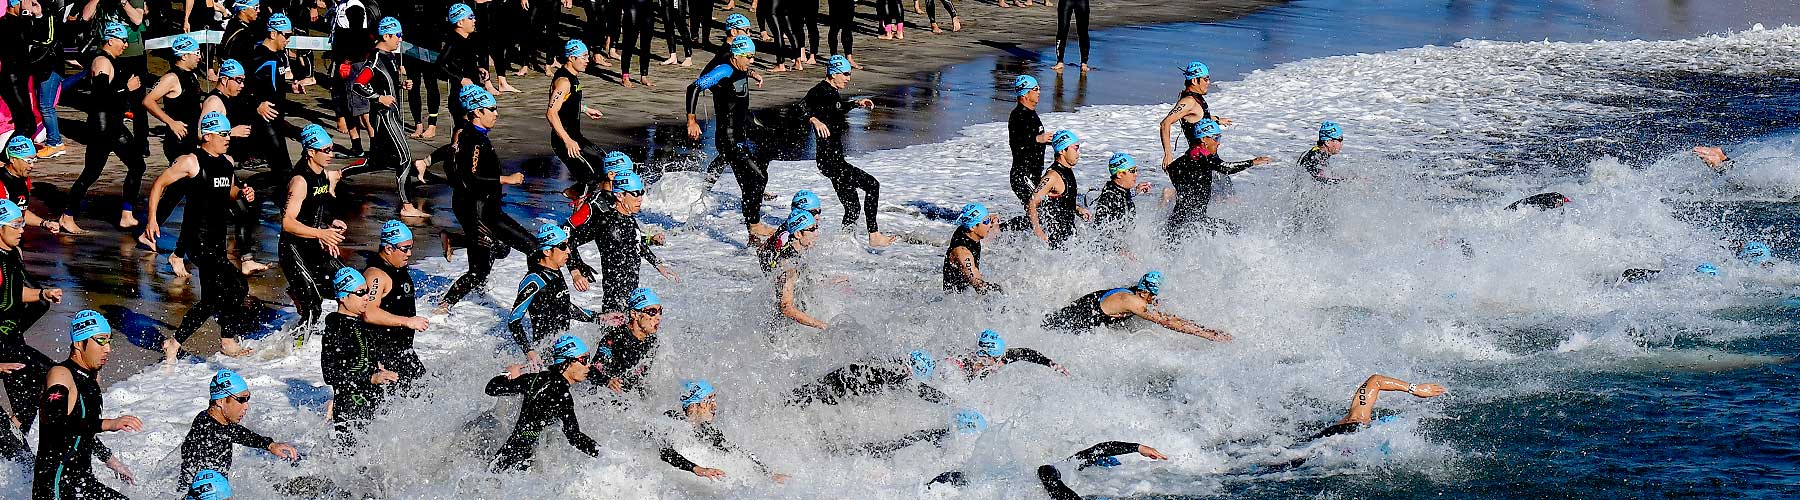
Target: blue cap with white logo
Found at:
x=737, y=21
x=230, y=68
x=279, y=23
x=743, y=46
x=627, y=182
x=87, y=324
x=1756, y=252
x=1063, y=139
x=838, y=64
x=991, y=344
x=643, y=298
x=615, y=163
x=805, y=200
x=1195, y=69
x=1151, y=282
x=389, y=26
x=116, y=30
x=1707, y=268
x=1330, y=131
x=209, y=485
x=183, y=45
x=1120, y=162
x=970, y=422
x=575, y=48
x=21, y=147
x=314, y=137
x=799, y=220
x=473, y=97
x=394, y=232
x=694, y=391
x=1207, y=128
x=1024, y=84
x=244, y=4
x=215, y=123
x=346, y=281
x=550, y=235
x=972, y=215
x=567, y=347
x=10, y=212
x=459, y=12
x=922, y=364
x=226, y=383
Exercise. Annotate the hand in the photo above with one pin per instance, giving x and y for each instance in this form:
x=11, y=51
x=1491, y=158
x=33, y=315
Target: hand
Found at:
x=1223, y=122
x=11, y=367
x=247, y=193
x=514, y=178
x=1143, y=187
x=267, y=111
x=614, y=318
x=1085, y=213
x=52, y=226
x=386, y=100
x=533, y=359
x=331, y=237
x=1168, y=158
x=581, y=280
x=592, y=114
x=668, y=273
x=53, y=295
x=617, y=386
x=1714, y=157
x=820, y=129
x=178, y=129
x=1043, y=138
x=334, y=176
x=709, y=473
x=405, y=84
x=1428, y=390
x=1260, y=160
x=418, y=323
x=571, y=146
x=126, y=423
x=693, y=130
x=1151, y=453
x=133, y=83
x=1060, y=369
x=285, y=451
x=118, y=467
x=514, y=371
x=756, y=77
x=151, y=229
x=866, y=103
x=384, y=377
x=240, y=131
x=780, y=478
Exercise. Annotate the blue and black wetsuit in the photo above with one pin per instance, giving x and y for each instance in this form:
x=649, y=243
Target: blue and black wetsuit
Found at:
x=1085, y=313
x=544, y=297
x=731, y=132
x=67, y=442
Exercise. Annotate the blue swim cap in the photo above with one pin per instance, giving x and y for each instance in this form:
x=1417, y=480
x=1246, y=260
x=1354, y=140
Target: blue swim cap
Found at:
x=230, y=68
x=1330, y=131
x=991, y=344
x=836, y=65
x=1756, y=252
x=1063, y=139
x=799, y=220
x=550, y=235
x=314, y=137
x=215, y=123
x=209, y=485
x=628, y=181
x=394, y=232
x=921, y=364
x=473, y=97
x=972, y=215
x=1120, y=162
x=279, y=22
x=969, y=422
x=459, y=12
x=184, y=45
x=346, y=280
x=1194, y=70
x=21, y=147
x=616, y=162
x=643, y=298
x=575, y=48
x=226, y=383
x=694, y=391
x=1108, y=462
x=86, y=324
x=244, y=4
x=805, y=200
x=1707, y=268
x=1151, y=282
x=742, y=45
x=116, y=30
x=1207, y=128
x=1024, y=84
x=737, y=21
x=567, y=347
x=10, y=212
x=389, y=26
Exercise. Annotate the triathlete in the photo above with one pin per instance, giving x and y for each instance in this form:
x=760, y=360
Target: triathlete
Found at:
x=1115, y=305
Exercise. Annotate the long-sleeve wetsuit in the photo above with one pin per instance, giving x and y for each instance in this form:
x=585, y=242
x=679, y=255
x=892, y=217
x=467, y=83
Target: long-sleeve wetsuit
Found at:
x=348, y=362
x=825, y=103
x=622, y=245
x=979, y=365
x=547, y=400
x=1193, y=175
x=490, y=232
x=544, y=297
x=707, y=433
x=731, y=132
x=208, y=445
x=624, y=357
x=864, y=379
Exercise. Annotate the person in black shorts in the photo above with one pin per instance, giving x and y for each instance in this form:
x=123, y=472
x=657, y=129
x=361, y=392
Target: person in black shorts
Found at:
x=1116, y=305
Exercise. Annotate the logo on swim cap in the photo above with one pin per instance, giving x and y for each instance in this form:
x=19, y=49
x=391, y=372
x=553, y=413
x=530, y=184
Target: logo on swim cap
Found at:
x=838, y=64
x=694, y=391
x=567, y=347
x=970, y=422
x=116, y=30
x=87, y=324
x=921, y=364
x=1108, y=462
x=798, y=221
x=460, y=12
x=550, y=235
x=737, y=22
x=21, y=147
x=1063, y=139
x=1330, y=131
x=1207, y=128
x=1195, y=69
x=615, y=163
x=10, y=212
x=215, y=123
x=1120, y=162
x=279, y=23
x=991, y=344
x=805, y=200
x=643, y=298
x=575, y=48
x=627, y=182
x=394, y=232
x=388, y=26
x=1707, y=268
x=1756, y=252
x=244, y=4
x=184, y=45
x=473, y=97
x=1151, y=282
x=743, y=46
x=1024, y=84
x=314, y=137
x=231, y=69
x=226, y=383
x=209, y=485
x=346, y=280
x=972, y=215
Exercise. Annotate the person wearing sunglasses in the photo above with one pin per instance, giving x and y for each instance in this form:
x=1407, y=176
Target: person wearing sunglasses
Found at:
x=111, y=86
x=1194, y=175
x=1052, y=209
x=227, y=99
x=22, y=303
x=782, y=255
x=208, y=445
x=477, y=184
x=70, y=419
x=379, y=82
x=614, y=229
x=729, y=80
x=547, y=400
x=351, y=366
x=1116, y=305
x=699, y=409
x=15, y=180
x=212, y=182
x=395, y=316
x=310, y=234
x=1190, y=108
x=962, y=259
x=626, y=349
x=1317, y=161
x=963, y=425
x=871, y=378
x=544, y=295
x=1114, y=210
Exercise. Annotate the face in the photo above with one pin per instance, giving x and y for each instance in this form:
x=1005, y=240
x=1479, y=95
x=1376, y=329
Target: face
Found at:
x=466, y=24
x=12, y=234
x=390, y=43
x=189, y=61
x=486, y=117
x=218, y=142
x=576, y=371
x=555, y=257
x=985, y=228
x=839, y=81
x=356, y=302
x=319, y=158
x=1149, y=298
x=577, y=64
x=647, y=320
x=232, y=85
x=805, y=239
x=397, y=255
x=703, y=411
x=742, y=63
x=1071, y=155
x=1200, y=85
x=94, y=351
x=628, y=202
x=233, y=407
x=1211, y=143
x=1334, y=146
x=1127, y=178
x=1030, y=99
x=114, y=45
x=249, y=14
x=281, y=39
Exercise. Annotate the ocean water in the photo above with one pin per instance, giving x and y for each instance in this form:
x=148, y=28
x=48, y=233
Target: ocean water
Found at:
x=1563, y=382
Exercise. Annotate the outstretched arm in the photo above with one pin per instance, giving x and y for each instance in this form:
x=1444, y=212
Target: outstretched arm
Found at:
x=1177, y=323
x=1362, y=404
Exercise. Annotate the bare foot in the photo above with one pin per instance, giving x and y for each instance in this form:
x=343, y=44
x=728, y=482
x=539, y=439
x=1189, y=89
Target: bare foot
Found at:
x=853, y=64
x=418, y=130
x=672, y=60
x=144, y=239
x=955, y=24
x=127, y=220
x=411, y=211
x=626, y=81
x=935, y=29
x=766, y=37
x=171, y=349
x=900, y=33
x=646, y=81
x=878, y=240
x=230, y=347
x=449, y=250
x=687, y=62
x=178, y=265
x=1084, y=67
x=522, y=71
x=68, y=225
x=430, y=132
x=918, y=8
x=1058, y=67
x=780, y=68
x=249, y=267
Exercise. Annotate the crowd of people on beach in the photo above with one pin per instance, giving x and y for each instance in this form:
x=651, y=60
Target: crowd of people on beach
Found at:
x=224, y=106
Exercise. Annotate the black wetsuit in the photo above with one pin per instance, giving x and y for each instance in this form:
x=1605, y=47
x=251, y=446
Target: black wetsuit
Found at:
x=1316, y=161
x=1057, y=213
x=624, y=357
x=580, y=162
x=107, y=114
x=24, y=386
x=731, y=133
x=707, y=433
x=954, y=279
x=802, y=25
x=348, y=359
x=67, y=445
x=881, y=449
x=305, y=264
x=825, y=103
x=208, y=445
x=475, y=176
x=394, y=344
x=863, y=379
x=264, y=82
x=423, y=14
x=638, y=17
x=547, y=400
x=1051, y=478
x=1022, y=131
x=1193, y=175
x=622, y=245
x=184, y=108
x=1541, y=201
x=1114, y=213
x=239, y=110
x=461, y=58
x=1077, y=12
x=389, y=149
x=223, y=290
x=544, y=296
x=1085, y=314
x=991, y=365
x=777, y=251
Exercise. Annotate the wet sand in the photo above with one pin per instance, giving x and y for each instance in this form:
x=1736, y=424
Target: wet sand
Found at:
x=107, y=270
